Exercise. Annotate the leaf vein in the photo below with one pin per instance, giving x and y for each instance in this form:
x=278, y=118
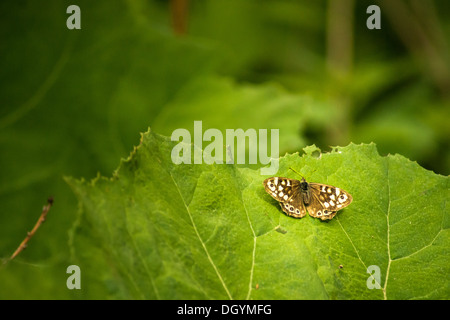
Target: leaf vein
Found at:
x=388, y=232
x=201, y=241
x=254, y=251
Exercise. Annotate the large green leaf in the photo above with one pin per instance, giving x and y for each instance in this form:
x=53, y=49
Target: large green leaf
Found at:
x=163, y=231
x=222, y=103
x=73, y=103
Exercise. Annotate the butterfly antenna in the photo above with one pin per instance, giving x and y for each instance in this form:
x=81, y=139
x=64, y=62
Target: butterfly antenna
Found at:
x=296, y=172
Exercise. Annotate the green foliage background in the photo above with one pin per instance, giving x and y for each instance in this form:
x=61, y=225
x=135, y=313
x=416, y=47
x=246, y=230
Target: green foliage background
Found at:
x=73, y=102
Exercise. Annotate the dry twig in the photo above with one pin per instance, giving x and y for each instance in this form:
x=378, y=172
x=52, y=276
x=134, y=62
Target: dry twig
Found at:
x=30, y=234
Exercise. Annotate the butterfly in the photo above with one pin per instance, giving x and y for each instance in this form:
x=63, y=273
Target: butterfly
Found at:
x=295, y=197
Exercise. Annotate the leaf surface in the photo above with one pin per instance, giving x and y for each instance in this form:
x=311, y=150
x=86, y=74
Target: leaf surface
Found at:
x=166, y=231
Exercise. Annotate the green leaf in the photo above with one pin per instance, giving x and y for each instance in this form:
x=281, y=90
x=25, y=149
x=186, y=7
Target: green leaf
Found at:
x=156, y=230
x=222, y=103
x=75, y=112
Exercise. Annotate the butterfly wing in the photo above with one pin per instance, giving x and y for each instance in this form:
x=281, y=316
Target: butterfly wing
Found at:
x=316, y=209
x=327, y=200
x=295, y=207
x=323, y=201
x=281, y=189
x=286, y=191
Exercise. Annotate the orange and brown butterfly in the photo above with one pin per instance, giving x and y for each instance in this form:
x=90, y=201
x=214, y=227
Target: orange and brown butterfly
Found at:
x=297, y=197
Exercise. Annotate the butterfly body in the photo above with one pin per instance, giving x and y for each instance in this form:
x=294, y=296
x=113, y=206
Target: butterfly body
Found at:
x=299, y=197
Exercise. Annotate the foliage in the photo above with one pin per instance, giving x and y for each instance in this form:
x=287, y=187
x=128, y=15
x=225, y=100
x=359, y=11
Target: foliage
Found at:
x=73, y=103
x=210, y=231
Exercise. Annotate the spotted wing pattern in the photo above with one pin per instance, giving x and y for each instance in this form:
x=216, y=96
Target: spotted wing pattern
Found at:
x=296, y=197
x=286, y=191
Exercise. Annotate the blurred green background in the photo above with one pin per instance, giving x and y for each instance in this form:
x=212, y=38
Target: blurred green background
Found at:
x=73, y=102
